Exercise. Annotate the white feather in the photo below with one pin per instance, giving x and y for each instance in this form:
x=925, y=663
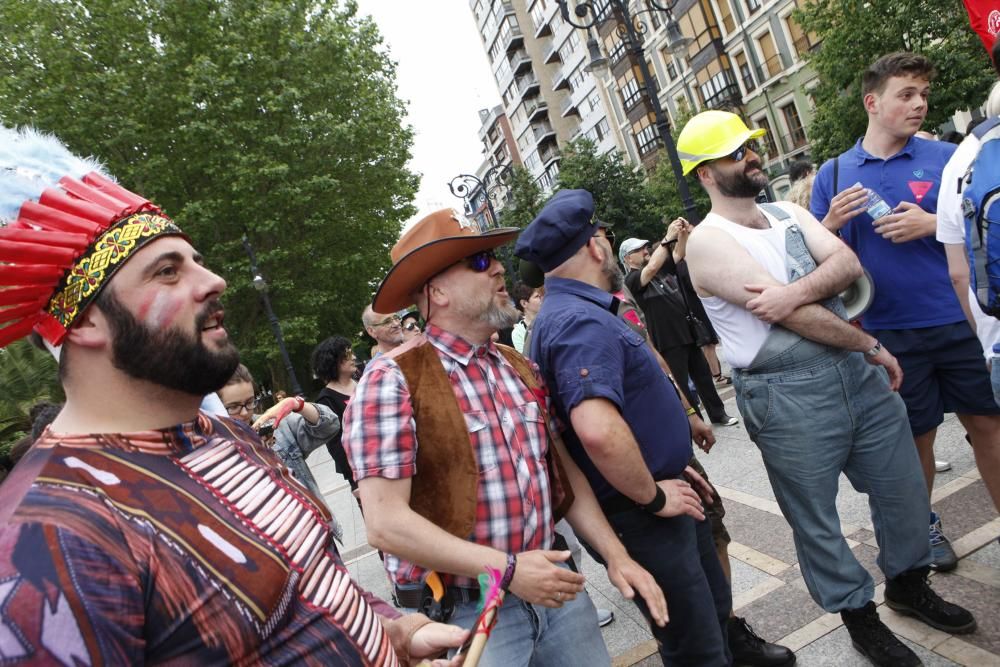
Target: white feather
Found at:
x=30, y=162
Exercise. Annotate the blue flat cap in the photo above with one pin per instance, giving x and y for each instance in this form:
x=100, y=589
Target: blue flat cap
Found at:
x=563, y=226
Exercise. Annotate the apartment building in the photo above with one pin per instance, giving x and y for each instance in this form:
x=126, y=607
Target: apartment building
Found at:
x=741, y=55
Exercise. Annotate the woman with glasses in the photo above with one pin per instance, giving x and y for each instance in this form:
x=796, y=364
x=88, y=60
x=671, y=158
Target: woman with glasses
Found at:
x=292, y=427
x=411, y=325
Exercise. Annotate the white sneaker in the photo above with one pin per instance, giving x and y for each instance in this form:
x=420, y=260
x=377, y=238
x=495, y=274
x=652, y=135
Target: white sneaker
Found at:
x=942, y=466
x=604, y=617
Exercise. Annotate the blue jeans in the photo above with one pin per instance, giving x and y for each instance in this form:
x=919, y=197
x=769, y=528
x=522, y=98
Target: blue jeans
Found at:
x=815, y=412
x=680, y=554
x=528, y=635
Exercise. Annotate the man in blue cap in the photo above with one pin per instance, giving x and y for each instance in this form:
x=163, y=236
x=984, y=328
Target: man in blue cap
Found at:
x=627, y=430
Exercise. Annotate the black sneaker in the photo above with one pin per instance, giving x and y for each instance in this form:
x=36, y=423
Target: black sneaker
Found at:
x=943, y=558
x=749, y=648
x=911, y=594
x=874, y=640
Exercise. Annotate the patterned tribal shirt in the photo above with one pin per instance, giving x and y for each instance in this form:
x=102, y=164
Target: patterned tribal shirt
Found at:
x=507, y=435
x=189, y=545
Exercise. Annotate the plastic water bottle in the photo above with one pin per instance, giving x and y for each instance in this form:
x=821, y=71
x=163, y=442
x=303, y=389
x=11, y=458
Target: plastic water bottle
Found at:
x=875, y=205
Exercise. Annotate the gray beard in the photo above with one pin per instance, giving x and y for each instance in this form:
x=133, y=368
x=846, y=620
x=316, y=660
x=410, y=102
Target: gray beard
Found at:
x=500, y=317
x=614, y=274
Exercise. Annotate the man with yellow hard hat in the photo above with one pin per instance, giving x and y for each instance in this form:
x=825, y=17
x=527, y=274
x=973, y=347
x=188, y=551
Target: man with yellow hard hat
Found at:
x=810, y=389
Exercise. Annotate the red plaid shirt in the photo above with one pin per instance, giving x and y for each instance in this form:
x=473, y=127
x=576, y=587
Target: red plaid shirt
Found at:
x=507, y=433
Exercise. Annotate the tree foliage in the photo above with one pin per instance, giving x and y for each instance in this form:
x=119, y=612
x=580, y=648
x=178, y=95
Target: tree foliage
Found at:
x=274, y=118
x=620, y=194
x=27, y=376
x=855, y=33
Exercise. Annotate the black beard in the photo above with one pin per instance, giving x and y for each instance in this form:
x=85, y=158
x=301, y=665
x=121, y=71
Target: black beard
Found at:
x=739, y=185
x=168, y=357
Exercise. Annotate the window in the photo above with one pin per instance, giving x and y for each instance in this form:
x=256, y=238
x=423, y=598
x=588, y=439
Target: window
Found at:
x=802, y=42
x=602, y=129
x=718, y=89
x=746, y=74
x=771, y=57
x=768, y=138
x=671, y=70
x=753, y=5
x=594, y=99
x=538, y=14
x=577, y=78
x=630, y=92
x=532, y=163
x=796, y=135
x=726, y=14
x=646, y=139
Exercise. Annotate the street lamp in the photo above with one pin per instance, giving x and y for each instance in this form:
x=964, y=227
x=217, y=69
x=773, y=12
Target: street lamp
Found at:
x=495, y=186
x=629, y=27
x=260, y=284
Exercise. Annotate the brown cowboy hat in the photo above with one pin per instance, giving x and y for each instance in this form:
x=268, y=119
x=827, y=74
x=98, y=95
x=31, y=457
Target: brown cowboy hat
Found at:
x=433, y=244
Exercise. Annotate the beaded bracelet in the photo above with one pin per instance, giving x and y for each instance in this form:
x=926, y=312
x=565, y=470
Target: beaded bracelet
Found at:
x=508, y=574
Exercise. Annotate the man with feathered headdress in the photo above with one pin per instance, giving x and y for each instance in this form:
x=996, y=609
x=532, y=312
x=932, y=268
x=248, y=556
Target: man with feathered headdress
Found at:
x=138, y=529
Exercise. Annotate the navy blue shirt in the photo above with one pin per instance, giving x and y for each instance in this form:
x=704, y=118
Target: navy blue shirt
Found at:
x=912, y=286
x=585, y=351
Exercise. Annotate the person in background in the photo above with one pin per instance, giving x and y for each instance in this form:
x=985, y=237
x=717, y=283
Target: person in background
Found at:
x=528, y=300
x=292, y=427
x=334, y=364
x=411, y=325
x=386, y=330
x=799, y=170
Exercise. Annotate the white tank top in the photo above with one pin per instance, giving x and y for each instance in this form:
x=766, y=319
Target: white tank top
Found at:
x=740, y=332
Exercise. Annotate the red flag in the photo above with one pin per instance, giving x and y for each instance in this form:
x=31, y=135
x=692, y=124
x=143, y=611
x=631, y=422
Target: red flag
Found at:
x=984, y=16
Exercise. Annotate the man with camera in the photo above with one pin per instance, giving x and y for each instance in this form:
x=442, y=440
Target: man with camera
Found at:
x=661, y=289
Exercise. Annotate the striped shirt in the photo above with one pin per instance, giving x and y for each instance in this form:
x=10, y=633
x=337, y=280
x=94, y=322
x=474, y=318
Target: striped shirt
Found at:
x=506, y=431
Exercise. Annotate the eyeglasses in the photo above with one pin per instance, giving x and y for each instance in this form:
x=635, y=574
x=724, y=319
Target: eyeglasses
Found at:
x=480, y=261
x=609, y=235
x=392, y=319
x=411, y=326
x=236, y=408
x=741, y=152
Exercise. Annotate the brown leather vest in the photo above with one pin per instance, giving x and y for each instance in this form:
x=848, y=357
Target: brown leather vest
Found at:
x=445, y=488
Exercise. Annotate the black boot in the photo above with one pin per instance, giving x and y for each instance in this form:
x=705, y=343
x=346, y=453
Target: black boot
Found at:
x=748, y=648
x=911, y=594
x=871, y=637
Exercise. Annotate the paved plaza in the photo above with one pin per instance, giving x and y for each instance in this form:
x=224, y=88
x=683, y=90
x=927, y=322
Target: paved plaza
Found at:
x=767, y=585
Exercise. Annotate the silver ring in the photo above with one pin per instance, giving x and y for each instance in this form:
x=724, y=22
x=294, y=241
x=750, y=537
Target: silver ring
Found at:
x=559, y=596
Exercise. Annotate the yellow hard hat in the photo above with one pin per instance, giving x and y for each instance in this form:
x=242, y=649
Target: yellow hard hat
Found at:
x=711, y=135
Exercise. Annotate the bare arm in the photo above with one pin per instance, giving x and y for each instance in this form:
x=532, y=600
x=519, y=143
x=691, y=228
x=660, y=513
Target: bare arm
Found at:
x=395, y=528
x=655, y=263
x=837, y=268
x=958, y=270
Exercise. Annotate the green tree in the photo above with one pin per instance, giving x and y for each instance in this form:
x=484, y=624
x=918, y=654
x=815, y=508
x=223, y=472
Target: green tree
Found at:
x=620, y=194
x=27, y=376
x=274, y=118
x=526, y=199
x=855, y=33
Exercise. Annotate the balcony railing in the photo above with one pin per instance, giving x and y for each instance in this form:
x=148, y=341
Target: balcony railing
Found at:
x=535, y=109
x=726, y=98
x=568, y=106
x=527, y=85
x=520, y=61
x=543, y=131
x=549, y=154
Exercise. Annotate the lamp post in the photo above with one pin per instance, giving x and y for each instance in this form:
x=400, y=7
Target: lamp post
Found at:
x=629, y=27
x=260, y=284
x=495, y=186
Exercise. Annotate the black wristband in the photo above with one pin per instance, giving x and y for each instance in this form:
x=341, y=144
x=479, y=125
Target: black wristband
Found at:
x=657, y=503
x=508, y=575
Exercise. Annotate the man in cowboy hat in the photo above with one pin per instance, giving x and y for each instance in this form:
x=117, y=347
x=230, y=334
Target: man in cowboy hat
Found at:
x=769, y=276
x=136, y=529
x=432, y=501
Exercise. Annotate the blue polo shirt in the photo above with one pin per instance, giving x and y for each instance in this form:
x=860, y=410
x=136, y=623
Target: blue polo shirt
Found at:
x=585, y=351
x=912, y=286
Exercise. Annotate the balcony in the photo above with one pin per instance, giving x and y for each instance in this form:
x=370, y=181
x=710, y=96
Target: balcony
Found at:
x=511, y=36
x=527, y=86
x=551, y=53
x=561, y=79
x=548, y=155
x=543, y=132
x=536, y=109
x=520, y=61
x=569, y=106
x=725, y=99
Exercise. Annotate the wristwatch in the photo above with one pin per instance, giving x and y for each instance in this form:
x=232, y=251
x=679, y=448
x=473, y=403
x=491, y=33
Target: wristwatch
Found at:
x=875, y=350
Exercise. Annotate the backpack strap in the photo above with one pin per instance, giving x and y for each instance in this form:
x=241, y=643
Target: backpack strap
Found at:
x=836, y=173
x=979, y=131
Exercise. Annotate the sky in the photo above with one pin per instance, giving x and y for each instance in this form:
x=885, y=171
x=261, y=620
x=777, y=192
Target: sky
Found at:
x=443, y=76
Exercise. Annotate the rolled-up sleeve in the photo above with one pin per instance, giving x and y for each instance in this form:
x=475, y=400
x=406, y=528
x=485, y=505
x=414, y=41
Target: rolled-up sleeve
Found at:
x=588, y=360
x=379, y=431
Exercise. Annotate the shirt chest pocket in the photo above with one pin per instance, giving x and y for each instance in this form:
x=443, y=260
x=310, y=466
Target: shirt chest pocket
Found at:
x=478, y=426
x=534, y=438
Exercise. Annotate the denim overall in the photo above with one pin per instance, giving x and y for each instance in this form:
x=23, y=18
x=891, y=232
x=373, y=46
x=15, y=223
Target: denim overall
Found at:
x=815, y=411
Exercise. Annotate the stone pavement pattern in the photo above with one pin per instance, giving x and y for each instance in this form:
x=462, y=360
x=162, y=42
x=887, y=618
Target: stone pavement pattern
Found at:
x=767, y=585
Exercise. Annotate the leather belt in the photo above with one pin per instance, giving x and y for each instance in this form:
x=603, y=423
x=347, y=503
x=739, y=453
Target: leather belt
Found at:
x=412, y=597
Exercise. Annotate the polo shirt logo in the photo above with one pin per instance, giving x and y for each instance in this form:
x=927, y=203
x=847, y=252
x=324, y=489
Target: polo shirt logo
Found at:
x=920, y=188
x=919, y=173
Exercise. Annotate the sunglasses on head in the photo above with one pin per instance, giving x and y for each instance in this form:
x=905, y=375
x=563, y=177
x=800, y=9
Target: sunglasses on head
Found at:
x=480, y=261
x=608, y=234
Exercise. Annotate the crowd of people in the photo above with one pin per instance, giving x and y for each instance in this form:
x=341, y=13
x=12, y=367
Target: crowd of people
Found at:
x=162, y=515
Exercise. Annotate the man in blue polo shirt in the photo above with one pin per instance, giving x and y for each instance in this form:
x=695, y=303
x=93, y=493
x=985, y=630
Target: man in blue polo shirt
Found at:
x=627, y=429
x=915, y=312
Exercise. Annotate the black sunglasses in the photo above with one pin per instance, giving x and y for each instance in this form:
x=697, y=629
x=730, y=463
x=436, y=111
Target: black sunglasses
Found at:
x=608, y=234
x=480, y=261
x=741, y=152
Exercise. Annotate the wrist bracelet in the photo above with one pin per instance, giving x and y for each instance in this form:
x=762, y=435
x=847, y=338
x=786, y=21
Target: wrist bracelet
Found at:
x=657, y=503
x=299, y=404
x=508, y=574
x=690, y=411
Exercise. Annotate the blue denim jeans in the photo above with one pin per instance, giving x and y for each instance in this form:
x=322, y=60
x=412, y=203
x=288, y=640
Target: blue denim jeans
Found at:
x=815, y=412
x=528, y=635
x=680, y=554
x=995, y=377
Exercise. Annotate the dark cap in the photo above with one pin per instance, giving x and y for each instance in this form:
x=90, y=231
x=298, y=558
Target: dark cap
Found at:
x=563, y=226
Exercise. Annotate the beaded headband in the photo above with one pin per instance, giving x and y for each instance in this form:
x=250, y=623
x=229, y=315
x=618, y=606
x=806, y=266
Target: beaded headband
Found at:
x=67, y=229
